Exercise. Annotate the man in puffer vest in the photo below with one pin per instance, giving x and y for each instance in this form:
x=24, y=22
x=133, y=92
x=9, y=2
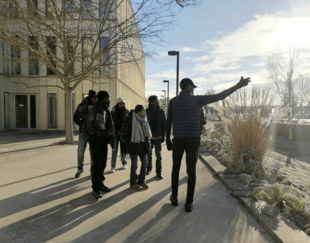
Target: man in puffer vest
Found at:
x=184, y=114
x=157, y=120
x=100, y=132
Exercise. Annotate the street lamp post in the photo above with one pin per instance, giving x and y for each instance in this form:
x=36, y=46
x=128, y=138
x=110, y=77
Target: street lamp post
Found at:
x=176, y=53
x=167, y=81
x=164, y=95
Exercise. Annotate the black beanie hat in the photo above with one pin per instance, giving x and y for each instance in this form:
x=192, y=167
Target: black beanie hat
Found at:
x=102, y=94
x=152, y=98
x=91, y=94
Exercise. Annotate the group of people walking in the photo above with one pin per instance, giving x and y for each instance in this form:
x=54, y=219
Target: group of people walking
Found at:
x=139, y=131
x=136, y=133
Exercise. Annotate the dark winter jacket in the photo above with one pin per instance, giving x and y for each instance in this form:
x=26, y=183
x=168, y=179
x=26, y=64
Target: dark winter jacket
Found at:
x=80, y=115
x=157, y=120
x=99, y=121
x=119, y=118
x=184, y=112
x=133, y=148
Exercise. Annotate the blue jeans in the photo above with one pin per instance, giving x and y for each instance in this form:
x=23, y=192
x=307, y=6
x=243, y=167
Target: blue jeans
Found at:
x=81, y=150
x=157, y=144
x=134, y=178
x=116, y=142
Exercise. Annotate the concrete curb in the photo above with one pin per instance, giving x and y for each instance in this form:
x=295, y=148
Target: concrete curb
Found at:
x=285, y=231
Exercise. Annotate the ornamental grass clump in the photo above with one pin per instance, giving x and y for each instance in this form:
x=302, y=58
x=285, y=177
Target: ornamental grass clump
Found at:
x=247, y=118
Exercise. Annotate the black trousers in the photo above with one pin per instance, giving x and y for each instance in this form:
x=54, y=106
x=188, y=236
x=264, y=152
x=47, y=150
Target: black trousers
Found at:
x=99, y=148
x=157, y=144
x=191, y=146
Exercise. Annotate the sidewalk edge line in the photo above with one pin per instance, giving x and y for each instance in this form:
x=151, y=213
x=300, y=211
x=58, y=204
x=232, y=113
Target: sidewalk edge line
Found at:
x=252, y=212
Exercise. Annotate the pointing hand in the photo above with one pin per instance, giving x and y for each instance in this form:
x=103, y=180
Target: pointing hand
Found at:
x=243, y=82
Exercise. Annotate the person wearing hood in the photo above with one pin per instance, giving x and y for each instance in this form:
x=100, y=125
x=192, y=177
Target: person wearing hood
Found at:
x=157, y=120
x=100, y=132
x=137, y=134
x=80, y=118
x=119, y=115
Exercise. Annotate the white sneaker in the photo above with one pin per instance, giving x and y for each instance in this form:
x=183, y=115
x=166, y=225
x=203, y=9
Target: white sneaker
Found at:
x=124, y=166
x=112, y=170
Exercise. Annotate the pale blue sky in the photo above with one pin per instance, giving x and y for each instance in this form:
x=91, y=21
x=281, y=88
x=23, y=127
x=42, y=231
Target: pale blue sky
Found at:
x=223, y=39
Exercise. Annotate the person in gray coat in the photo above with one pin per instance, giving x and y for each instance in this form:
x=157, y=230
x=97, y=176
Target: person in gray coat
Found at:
x=80, y=118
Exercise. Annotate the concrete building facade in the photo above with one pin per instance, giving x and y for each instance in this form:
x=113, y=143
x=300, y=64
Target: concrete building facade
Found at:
x=43, y=107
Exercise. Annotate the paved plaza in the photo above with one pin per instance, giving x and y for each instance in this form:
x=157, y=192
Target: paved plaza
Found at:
x=41, y=201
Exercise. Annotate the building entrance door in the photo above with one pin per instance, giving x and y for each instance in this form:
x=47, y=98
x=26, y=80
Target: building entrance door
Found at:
x=25, y=111
x=21, y=111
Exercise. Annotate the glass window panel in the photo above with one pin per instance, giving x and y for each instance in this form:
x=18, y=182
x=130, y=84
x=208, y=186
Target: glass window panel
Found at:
x=87, y=48
x=15, y=60
x=33, y=62
x=52, y=110
x=87, y=9
x=51, y=51
x=103, y=9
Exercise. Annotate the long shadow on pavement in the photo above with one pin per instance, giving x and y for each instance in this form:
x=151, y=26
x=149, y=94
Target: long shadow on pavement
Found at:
x=59, y=219
x=110, y=229
x=30, y=135
x=35, y=177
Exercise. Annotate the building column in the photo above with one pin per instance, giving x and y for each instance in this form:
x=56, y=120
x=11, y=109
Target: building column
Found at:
x=1, y=104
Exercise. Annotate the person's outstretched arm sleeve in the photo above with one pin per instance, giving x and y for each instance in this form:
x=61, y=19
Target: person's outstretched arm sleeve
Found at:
x=169, y=121
x=208, y=99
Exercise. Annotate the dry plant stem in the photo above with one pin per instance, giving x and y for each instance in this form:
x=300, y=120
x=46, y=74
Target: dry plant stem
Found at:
x=247, y=117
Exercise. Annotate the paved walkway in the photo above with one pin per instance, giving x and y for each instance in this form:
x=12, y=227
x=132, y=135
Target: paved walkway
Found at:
x=40, y=201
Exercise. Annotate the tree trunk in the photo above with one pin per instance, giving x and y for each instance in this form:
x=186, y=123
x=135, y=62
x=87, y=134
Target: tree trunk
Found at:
x=68, y=116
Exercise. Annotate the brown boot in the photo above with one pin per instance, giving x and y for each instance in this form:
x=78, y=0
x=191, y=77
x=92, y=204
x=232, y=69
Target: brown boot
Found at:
x=145, y=186
x=135, y=187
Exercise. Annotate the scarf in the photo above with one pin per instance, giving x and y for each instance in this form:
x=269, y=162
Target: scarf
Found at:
x=137, y=134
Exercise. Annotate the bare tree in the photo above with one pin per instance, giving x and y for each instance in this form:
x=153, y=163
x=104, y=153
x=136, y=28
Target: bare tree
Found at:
x=78, y=40
x=282, y=70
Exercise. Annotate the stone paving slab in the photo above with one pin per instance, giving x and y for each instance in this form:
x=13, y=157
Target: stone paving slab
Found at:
x=40, y=201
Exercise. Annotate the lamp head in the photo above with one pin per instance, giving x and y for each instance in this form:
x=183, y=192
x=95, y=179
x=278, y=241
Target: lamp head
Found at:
x=173, y=53
x=166, y=81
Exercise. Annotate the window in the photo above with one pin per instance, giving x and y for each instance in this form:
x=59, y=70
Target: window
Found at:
x=71, y=53
x=50, y=12
x=15, y=60
x=13, y=11
x=87, y=9
x=69, y=5
x=32, y=4
x=103, y=9
x=52, y=110
x=33, y=62
x=104, y=51
x=87, y=48
x=51, y=52
x=5, y=56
